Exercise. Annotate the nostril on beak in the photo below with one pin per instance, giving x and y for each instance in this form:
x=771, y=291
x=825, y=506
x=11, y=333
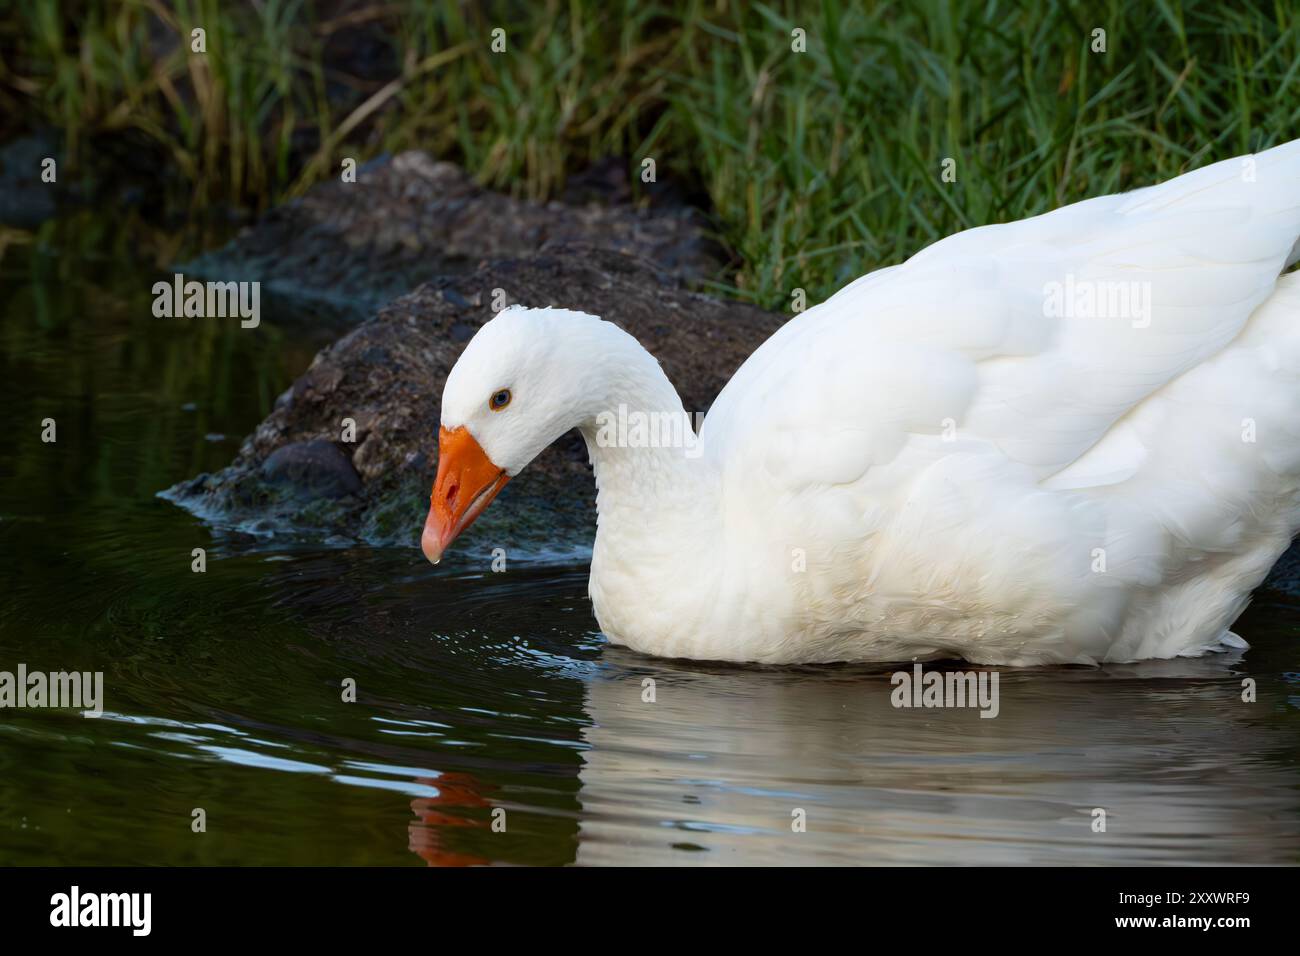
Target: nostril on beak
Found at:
x=451, y=492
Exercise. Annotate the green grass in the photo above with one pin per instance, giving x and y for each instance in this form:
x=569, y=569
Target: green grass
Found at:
x=817, y=166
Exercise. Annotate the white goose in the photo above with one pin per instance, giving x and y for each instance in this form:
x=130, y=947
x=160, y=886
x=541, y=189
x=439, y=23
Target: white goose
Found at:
x=1070, y=439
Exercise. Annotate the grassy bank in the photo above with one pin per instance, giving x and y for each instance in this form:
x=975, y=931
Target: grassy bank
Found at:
x=817, y=165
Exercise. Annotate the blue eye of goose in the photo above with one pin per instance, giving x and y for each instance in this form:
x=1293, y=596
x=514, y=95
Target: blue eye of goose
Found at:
x=499, y=400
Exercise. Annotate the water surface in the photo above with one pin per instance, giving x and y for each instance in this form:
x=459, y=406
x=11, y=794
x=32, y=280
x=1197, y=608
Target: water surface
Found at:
x=480, y=692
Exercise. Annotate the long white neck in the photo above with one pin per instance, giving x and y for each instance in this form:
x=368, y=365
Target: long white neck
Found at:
x=647, y=460
x=656, y=495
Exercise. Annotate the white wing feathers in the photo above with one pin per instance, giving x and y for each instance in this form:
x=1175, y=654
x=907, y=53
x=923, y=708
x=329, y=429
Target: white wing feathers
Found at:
x=1034, y=336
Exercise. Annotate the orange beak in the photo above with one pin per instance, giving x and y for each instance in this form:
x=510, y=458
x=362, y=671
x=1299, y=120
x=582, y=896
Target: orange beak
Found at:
x=466, y=484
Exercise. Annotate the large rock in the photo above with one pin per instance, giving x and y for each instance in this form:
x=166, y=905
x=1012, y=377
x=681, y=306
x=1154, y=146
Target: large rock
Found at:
x=347, y=248
x=387, y=376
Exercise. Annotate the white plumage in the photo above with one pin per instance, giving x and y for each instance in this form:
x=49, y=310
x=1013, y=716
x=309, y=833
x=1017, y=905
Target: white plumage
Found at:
x=1069, y=439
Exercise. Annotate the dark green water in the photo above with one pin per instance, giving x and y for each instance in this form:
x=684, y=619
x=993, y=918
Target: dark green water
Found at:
x=481, y=693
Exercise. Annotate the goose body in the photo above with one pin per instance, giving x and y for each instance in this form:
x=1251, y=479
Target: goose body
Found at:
x=1069, y=439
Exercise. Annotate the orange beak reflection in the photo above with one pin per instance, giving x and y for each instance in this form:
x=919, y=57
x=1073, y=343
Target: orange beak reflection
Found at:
x=466, y=484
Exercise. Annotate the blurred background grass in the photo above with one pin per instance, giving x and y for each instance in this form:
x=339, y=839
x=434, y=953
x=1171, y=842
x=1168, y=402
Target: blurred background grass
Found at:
x=815, y=166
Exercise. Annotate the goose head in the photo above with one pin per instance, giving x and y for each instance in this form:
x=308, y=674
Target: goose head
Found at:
x=526, y=377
